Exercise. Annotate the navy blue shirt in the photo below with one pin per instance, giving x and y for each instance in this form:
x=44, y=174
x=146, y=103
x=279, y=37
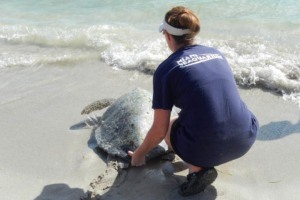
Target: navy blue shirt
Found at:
x=215, y=124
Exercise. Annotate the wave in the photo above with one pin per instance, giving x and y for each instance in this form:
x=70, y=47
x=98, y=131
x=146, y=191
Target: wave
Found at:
x=25, y=45
x=254, y=61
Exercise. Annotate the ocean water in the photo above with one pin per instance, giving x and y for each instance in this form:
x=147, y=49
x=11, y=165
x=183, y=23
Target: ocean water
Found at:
x=260, y=38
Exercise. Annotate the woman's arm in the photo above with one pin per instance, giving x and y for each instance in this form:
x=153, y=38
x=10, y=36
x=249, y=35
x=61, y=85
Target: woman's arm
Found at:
x=154, y=136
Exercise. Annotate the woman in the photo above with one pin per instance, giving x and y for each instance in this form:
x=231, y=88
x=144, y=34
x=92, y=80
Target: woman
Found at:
x=214, y=125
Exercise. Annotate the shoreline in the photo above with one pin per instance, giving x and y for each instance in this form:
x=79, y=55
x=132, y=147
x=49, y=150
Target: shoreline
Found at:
x=41, y=158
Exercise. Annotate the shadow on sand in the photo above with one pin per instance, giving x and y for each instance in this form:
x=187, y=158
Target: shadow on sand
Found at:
x=154, y=181
x=277, y=130
x=60, y=191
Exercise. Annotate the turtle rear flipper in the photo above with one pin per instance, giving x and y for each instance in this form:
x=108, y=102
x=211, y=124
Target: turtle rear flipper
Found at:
x=97, y=105
x=90, y=122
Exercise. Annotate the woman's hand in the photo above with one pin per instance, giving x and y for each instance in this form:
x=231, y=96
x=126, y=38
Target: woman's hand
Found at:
x=137, y=160
x=155, y=135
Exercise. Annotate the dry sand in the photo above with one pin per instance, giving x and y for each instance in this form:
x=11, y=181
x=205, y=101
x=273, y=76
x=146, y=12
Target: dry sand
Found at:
x=41, y=159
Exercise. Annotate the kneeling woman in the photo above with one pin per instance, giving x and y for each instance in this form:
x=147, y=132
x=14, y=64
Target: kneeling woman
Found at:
x=214, y=125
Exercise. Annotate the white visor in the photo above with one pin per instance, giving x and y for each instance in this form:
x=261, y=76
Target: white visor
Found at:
x=172, y=30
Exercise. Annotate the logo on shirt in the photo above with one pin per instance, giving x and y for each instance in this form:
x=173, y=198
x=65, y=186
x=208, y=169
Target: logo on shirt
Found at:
x=195, y=59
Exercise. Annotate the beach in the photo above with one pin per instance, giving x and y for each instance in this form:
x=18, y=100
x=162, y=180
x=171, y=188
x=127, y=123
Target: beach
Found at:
x=42, y=159
x=56, y=57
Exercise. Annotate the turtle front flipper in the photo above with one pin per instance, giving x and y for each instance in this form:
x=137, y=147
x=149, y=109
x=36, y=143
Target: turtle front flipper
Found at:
x=97, y=105
x=113, y=176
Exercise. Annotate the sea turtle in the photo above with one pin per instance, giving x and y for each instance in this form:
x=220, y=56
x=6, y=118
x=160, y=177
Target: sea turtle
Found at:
x=122, y=127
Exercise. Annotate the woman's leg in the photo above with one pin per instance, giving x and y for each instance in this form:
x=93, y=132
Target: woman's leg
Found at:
x=168, y=136
x=198, y=178
x=191, y=168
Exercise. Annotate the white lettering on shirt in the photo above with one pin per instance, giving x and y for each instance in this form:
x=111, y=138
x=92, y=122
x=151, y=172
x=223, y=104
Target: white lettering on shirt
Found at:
x=195, y=59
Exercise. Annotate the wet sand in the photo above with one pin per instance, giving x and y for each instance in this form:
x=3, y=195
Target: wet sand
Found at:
x=42, y=159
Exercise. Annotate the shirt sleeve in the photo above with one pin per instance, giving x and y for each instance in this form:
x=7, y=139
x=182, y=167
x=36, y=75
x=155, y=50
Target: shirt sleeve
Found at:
x=162, y=93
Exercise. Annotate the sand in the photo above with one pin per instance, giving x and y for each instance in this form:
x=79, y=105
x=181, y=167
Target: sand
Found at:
x=42, y=159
